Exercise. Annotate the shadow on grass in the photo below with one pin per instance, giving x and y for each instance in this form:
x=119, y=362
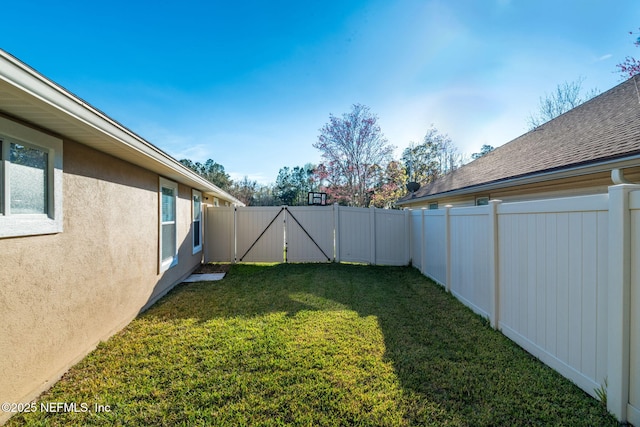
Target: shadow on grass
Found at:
x=452, y=368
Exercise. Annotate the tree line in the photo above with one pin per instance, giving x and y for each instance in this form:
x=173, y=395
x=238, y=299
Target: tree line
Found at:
x=357, y=167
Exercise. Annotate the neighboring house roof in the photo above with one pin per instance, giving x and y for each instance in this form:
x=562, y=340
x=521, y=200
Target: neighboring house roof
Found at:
x=602, y=131
x=27, y=95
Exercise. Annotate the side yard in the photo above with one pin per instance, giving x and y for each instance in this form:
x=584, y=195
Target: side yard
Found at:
x=313, y=344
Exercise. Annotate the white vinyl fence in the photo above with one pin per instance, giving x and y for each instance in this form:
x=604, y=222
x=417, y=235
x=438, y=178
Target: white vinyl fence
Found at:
x=307, y=234
x=559, y=277
x=627, y=298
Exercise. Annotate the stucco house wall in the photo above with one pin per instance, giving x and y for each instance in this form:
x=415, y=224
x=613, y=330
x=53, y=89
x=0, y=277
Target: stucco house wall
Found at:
x=80, y=234
x=63, y=293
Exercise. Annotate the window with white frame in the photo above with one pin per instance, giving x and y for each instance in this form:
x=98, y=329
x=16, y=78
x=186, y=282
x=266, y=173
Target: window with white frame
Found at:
x=30, y=181
x=196, y=197
x=168, y=224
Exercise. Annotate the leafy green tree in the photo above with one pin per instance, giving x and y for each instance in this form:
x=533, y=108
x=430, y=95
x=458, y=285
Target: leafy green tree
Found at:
x=211, y=171
x=484, y=150
x=293, y=185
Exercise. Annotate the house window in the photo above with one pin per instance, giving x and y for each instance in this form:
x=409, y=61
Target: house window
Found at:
x=27, y=170
x=30, y=181
x=168, y=224
x=433, y=205
x=196, y=197
x=482, y=201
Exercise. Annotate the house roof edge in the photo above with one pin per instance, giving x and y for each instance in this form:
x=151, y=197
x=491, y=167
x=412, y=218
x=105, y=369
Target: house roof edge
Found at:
x=585, y=169
x=54, y=97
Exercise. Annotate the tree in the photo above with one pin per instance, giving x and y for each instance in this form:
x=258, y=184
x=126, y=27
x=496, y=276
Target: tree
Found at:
x=335, y=193
x=264, y=196
x=391, y=186
x=352, y=147
x=211, y=171
x=566, y=97
x=244, y=191
x=630, y=66
x=484, y=150
x=434, y=157
x=293, y=185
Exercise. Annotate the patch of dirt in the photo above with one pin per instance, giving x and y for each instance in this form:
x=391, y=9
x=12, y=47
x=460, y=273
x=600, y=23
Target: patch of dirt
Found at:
x=212, y=268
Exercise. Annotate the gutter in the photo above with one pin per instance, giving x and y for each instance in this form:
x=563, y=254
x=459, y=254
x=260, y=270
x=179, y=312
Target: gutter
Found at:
x=604, y=166
x=617, y=176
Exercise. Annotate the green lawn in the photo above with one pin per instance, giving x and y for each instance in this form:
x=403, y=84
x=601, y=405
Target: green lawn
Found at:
x=315, y=345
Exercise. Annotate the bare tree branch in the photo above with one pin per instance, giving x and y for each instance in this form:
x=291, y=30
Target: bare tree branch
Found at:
x=352, y=147
x=567, y=96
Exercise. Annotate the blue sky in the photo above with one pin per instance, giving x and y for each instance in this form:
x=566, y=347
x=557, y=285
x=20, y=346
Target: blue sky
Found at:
x=250, y=83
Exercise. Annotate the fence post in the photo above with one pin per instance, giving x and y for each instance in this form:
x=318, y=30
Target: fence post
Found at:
x=235, y=234
x=619, y=293
x=494, y=263
x=372, y=224
x=447, y=247
x=409, y=235
x=336, y=232
x=423, y=243
x=407, y=232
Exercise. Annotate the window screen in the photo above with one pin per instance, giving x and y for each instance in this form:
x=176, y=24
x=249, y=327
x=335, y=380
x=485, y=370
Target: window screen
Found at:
x=28, y=170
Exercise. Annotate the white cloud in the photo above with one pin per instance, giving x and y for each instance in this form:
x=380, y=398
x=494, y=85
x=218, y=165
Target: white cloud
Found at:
x=197, y=153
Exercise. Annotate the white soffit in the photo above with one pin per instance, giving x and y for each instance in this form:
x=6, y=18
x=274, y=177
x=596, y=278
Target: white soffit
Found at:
x=30, y=97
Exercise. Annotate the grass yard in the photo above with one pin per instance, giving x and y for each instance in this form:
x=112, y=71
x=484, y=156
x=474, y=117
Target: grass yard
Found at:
x=315, y=345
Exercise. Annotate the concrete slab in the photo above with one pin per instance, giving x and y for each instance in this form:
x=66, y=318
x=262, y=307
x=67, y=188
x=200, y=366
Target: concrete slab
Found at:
x=204, y=277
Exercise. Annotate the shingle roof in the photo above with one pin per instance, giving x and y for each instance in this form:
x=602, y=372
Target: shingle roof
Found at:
x=603, y=128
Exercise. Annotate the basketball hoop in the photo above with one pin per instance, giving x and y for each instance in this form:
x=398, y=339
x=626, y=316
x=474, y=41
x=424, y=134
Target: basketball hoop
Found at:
x=317, y=199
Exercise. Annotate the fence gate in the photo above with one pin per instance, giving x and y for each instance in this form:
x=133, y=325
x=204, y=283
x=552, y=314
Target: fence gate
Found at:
x=306, y=234
x=259, y=234
x=270, y=234
x=309, y=234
